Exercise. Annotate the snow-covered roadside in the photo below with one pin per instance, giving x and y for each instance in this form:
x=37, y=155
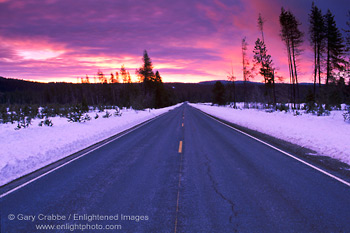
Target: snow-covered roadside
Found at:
x=327, y=135
x=25, y=150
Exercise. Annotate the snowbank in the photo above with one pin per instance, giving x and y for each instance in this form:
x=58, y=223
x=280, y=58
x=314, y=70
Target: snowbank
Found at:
x=327, y=135
x=26, y=150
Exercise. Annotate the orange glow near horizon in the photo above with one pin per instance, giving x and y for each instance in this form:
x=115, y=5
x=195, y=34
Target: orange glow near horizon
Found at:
x=213, y=71
x=54, y=56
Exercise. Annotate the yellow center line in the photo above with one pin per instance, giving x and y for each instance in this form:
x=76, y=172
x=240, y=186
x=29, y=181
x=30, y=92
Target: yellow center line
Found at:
x=179, y=185
x=180, y=147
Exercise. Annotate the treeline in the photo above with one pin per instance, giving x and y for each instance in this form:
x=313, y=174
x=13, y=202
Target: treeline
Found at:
x=19, y=92
x=150, y=92
x=123, y=95
x=120, y=94
x=331, y=60
x=21, y=101
x=249, y=92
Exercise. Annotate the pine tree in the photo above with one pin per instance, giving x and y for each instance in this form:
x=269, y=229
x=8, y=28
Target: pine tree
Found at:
x=146, y=73
x=261, y=22
x=347, y=68
x=219, y=93
x=111, y=79
x=293, y=39
x=158, y=79
x=123, y=74
x=347, y=31
x=264, y=60
x=155, y=93
x=317, y=38
x=335, y=47
x=161, y=96
x=101, y=77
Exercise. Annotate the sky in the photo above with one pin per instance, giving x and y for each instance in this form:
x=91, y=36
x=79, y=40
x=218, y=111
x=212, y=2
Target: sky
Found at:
x=187, y=40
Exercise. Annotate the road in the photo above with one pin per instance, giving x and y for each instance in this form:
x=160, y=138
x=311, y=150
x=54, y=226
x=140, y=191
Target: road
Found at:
x=182, y=172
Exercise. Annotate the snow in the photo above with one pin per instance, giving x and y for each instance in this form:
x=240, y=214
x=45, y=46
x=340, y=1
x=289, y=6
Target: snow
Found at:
x=28, y=149
x=327, y=135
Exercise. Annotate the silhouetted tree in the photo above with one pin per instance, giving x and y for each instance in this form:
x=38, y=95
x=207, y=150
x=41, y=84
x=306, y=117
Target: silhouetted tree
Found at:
x=146, y=73
x=266, y=70
x=161, y=95
x=246, y=70
x=347, y=68
x=317, y=41
x=219, y=93
x=155, y=94
x=232, y=78
x=347, y=37
x=101, y=77
x=293, y=39
x=123, y=74
x=261, y=22
x=111, y=79
x=335, y=47
x=85, y=80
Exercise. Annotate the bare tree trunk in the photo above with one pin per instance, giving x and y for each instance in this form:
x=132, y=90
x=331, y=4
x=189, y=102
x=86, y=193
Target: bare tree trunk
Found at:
x=295, y=74
x=328, y=67
x=315, y=63
x=291, y=73
x=327, y=78
x=319, y=64
x=244, y=63
x=234, y=94
x=319, y=69
x=274, y=89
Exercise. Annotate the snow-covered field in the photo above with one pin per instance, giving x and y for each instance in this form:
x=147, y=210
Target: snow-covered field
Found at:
x=327, y=135
x=25, y=150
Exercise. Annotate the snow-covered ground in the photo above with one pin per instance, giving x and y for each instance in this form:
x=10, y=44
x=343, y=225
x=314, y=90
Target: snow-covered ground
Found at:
x=327, y=135
x=25, y=150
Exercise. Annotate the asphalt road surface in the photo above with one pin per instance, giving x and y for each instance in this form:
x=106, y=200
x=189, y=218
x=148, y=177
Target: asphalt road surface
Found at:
x=182, y=172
